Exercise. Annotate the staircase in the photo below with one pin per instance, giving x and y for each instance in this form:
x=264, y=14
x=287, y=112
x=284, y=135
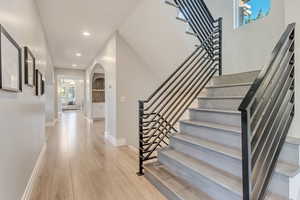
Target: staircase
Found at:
x=204, y=159
x=235, y=143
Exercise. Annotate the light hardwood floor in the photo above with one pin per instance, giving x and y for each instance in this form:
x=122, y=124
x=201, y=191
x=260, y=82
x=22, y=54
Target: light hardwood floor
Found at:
x=80, y=165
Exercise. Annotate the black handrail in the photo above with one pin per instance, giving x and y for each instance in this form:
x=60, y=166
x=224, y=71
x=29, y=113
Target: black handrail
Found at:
x=267, y=112
x=159, y=114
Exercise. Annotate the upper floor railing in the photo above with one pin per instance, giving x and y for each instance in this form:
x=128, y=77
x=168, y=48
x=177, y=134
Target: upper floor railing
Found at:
x=159, y=114
x=267, y=112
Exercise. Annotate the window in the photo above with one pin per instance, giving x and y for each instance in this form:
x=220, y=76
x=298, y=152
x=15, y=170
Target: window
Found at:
x=249, y=11
x=67, y=91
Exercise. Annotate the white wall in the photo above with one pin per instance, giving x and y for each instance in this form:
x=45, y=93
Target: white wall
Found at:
x=293, y=15
x=161, y=42
x=127, y=80
x=134, y=82
x=50, y=104
x=50, y=93
x=157, y=37
x=106, y=59
x=22, y=116
x=248, y=47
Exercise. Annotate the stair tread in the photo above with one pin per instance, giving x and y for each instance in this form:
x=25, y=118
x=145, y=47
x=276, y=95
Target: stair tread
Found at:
x=183, y=189
x=230, y=128
x=234, y=129
x=220, y=148
x=221, y=97
x=293, y=140
x=220, y=177
x=175, y=184
x=272, y=196
x=287, y=169
x=239, y=73
x=217, y=110
x=284, y=168
x=229, y=85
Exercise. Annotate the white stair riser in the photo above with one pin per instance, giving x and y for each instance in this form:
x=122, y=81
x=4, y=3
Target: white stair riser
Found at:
x=280, y=185
x=220, y=118
x=222, y=104
x=211, y=157
x=206, y=185
x=228, y=138
x=290, y=153
x=235, y=78
x=227, y=91
x=163, y=189
x=226, y=163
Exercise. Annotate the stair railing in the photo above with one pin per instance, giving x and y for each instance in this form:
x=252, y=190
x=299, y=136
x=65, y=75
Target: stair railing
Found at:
x=267, y=112
x=159, y=114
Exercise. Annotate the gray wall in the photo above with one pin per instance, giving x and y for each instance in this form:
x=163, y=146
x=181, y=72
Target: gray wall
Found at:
x=22, y=116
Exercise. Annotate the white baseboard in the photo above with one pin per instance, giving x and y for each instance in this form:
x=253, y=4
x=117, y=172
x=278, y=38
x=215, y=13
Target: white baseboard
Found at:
x=115, y=142
x=98, y=119
x=51, y=124
x=34, y=174
x=133, y=148
x=89, y=119
x=106, y=134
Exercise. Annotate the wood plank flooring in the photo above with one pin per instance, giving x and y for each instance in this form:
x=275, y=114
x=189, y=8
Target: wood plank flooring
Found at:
x=80, y=165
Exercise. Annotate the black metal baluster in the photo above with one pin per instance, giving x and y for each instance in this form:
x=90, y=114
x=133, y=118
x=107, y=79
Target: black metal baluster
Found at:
x=220, y=24
x=141, y=159
x=162, y=110
x=267, y=111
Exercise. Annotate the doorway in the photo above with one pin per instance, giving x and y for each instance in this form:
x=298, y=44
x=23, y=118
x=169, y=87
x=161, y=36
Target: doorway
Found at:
x=70, y=94
x=98, y=93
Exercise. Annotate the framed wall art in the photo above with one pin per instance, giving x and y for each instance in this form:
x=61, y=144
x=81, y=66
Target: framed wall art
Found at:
x=10, y=63
x=43, y=87
x=29, y=61
x=38, y=82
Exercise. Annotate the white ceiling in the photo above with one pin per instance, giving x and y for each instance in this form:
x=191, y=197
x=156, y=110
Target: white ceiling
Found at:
x=65, y=20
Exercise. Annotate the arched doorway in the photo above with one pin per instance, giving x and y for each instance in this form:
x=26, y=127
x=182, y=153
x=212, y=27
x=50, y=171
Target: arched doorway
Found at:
x=97, y=92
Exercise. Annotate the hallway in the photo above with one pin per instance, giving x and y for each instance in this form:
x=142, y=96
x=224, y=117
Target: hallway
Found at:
x=79, y=164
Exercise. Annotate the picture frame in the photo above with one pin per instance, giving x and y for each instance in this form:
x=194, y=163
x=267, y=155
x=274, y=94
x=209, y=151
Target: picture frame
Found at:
x=43, y=88
x=38, y=82
x=29, y=63
x=10, y=63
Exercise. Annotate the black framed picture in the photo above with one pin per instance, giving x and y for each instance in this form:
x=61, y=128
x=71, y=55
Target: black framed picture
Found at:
x=29, y=61
x=38, y=82
x=43, y=87
x=10, y=63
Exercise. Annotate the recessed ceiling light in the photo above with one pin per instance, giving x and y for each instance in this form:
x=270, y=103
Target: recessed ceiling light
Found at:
x=78, y=54
x=74, y=65
x=86, y=33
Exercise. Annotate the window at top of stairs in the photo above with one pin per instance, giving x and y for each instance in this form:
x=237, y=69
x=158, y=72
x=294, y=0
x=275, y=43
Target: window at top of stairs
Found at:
x=248, y=11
